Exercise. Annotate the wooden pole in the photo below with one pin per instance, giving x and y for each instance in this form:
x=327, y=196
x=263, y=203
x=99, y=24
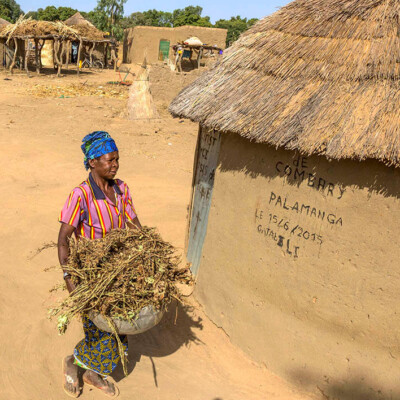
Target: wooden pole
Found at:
x=41, y=45
x=37, y=56
x=114, y=56
x=21, y=56
x=105, y=55
x=91, y=55
x=79, y=55
x=199, y=57
x=68, y=52
x=61, y=58
x=15, y=55
x=28, y=53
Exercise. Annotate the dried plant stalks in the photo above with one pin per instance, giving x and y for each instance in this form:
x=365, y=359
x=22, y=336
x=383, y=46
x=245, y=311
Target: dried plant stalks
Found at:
x=120, y=274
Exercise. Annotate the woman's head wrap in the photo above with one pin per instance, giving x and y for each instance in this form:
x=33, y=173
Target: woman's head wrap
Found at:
x=97, y=144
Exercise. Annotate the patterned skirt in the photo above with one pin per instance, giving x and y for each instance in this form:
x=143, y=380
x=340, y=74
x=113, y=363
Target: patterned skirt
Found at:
x=98, y=351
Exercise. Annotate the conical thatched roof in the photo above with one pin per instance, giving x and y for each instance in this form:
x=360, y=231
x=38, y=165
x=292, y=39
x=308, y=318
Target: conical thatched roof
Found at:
x=78, y=19
x=85, y=28
x=320, y=76
x=4, y=22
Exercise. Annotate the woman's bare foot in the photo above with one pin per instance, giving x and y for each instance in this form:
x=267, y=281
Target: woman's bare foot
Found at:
x=71, y=381
x=93, y=379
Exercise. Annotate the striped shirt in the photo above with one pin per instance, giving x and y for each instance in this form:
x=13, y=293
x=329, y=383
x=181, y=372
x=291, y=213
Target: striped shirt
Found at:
x=93, y=214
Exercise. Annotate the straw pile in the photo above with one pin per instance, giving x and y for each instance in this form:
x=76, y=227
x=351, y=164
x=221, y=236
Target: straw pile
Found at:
x=120, y=274
x=30, y=28
x=319, y=76
x=79, y=90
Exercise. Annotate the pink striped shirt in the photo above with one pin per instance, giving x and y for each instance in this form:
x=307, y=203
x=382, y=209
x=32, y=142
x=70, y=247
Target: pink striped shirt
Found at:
x=93, y=214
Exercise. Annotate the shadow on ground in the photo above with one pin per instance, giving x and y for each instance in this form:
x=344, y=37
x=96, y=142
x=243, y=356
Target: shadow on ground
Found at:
x=353, y=388
x=174, y=331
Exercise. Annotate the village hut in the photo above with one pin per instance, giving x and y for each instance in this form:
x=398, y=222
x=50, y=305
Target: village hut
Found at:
x=27, y=35
x=3, y=54
x=96, y=44
x=294, y=218
x=155, y=43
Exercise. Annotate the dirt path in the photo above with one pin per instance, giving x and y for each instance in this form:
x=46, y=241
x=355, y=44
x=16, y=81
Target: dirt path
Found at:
x=41, y=163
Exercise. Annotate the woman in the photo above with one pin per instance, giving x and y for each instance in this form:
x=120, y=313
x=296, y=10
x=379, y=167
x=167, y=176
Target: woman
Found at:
x=93, y=208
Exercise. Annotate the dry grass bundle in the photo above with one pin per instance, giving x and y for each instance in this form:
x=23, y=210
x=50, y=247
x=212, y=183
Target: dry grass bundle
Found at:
x=317, y=76
x=27, y=27
x=89, y=32
x=120, y=274
x=79, y=90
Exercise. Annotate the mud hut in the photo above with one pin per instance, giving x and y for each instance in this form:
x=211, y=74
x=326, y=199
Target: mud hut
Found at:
x=95, y=43
x=293, y=223
x=155, y=43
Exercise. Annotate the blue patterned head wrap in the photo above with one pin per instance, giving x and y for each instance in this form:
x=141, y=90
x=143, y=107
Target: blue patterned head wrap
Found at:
x=97, y=144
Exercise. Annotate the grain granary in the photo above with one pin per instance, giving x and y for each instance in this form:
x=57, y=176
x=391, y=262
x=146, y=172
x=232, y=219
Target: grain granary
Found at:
x=294, y=219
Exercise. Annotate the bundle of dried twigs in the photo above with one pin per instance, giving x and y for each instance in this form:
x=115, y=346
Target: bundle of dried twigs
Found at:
x=120, y=274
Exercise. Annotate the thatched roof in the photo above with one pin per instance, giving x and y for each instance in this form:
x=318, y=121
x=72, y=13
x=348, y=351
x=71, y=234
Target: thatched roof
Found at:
x=84, y=27
x=4, y=22
x=78, y=19
x=24, y=28
x=320, y=76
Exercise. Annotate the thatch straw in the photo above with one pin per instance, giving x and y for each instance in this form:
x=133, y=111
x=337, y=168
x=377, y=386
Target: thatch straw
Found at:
x=78, y=19
x=89, y=32
x=320, y=76
x=84, y=27
x=27, y=27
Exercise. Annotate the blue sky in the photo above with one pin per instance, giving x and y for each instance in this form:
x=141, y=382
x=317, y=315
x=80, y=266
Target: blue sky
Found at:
x=216, y=9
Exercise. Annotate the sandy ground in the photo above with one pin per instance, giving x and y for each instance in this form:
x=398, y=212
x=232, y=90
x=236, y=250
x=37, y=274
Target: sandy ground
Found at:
x=41, y=163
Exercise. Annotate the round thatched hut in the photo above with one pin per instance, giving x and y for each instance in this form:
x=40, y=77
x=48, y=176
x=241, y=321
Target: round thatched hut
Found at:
x=294, y=220
x=94, y=42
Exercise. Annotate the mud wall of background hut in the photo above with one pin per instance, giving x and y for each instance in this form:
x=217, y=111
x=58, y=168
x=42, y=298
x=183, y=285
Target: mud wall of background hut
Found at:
x=300, y=266
x=144, y=41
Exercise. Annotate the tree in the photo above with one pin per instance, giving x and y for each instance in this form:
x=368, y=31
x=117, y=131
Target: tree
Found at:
x=51, y=13
x=10, y=10
x=107, y=14
x=147, y=18
x=235, y=26
x=190, y=15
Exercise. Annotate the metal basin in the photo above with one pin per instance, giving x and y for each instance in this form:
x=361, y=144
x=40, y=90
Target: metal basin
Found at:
x=147, y=318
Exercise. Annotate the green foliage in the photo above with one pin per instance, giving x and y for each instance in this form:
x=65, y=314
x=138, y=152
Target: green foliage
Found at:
x=51, y=13
x=107, y=15
x=235, y=26
x=190, y=15
x=147, y=18
x=10, y=10
x=32, y=14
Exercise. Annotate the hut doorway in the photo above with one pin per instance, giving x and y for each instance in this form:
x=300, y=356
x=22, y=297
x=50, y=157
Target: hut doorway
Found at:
x=163, y=52
x=206, y=160
x=74, y=52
